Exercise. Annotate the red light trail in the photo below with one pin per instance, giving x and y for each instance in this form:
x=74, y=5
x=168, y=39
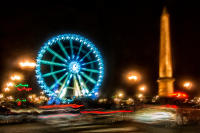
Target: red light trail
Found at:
x=179, y=95
x=61, y=106
x=170, y=106
x=102, y=112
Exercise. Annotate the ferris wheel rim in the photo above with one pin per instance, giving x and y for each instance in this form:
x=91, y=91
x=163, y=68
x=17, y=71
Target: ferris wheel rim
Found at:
x=69, y=37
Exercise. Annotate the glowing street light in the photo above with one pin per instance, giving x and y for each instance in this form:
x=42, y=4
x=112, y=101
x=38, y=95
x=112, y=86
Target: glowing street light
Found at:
x=140, y=95
x=27, y=64
x=15, y=77
x=6, y=89
x=32, y=96
x=142, y=88
x=10, y=84
x=133, y=77
x=10, y=98
x=129, y=101
x=1, y=95
x=187, y=85
x=37, y=99
x=120, y=94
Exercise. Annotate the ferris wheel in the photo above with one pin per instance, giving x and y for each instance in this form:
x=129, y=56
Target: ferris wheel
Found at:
x=69, y=66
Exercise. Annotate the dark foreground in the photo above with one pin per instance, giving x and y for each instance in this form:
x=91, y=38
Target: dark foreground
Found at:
x=149, y=119
x=118, y=127
x=89, y=124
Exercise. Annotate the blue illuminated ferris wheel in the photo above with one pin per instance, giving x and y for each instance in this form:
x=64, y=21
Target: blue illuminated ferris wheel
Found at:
x=69, y=66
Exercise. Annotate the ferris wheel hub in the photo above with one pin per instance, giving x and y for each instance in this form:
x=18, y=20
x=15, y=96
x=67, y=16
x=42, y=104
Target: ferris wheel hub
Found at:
x=74, y=67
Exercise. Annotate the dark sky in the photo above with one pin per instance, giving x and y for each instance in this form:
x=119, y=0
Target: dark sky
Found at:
x=126, y=32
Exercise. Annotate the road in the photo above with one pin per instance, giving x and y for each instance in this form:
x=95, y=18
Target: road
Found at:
x=89, y=124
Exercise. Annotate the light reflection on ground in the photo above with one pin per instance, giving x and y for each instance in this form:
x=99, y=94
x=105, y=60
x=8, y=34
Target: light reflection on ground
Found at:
x=68, y=119
x=155, y=115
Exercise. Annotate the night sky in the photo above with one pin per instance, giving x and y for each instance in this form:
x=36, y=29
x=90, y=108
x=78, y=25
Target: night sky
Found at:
x=126, y=33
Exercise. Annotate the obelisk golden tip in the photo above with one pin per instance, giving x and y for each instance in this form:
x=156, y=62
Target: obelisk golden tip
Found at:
x=166, y=80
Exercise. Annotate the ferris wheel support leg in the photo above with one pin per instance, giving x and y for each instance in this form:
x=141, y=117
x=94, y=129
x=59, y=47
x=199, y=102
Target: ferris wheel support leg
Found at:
x=77, y=92
x=83, y=85
x=64, y=87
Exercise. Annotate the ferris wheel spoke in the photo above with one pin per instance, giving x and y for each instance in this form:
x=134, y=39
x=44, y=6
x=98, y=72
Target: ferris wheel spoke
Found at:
x=58, y=81
x=85, y=55
x=63, y=49
x=54, y=72
x=77, y=91
x=64, y=86
x=88, y=77
x=51, y=68
x=72, y=49
x=90, y=70
x=82, y=84
x=79, y=80
x=89, y=62
x=52, y=63
x=56, y=54
x=79, y=50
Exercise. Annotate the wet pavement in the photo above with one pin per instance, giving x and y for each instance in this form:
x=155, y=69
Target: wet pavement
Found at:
x=90, y=123
x=66, y=120
x=61, y=126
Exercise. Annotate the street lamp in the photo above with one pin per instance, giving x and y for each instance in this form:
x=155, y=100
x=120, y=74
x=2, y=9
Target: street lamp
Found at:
x=120, y=95
x=6, y=89
x=140, y=95
x=27, y=64
x=15, y=77
x=187, y=85
x=142, y=88
x=1, y=95
x=10, y=84
x=133, y=77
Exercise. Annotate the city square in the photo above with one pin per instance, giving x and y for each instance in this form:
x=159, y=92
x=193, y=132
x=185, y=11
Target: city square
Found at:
x=100, y=67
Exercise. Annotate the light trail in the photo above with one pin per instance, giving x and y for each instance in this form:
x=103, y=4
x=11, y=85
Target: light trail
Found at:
x=61, y=106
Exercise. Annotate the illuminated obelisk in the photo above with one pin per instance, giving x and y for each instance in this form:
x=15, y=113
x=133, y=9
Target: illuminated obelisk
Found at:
x=166, y=80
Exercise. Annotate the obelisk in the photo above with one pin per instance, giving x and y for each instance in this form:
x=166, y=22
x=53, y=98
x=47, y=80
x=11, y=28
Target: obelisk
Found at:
x=166, y=80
